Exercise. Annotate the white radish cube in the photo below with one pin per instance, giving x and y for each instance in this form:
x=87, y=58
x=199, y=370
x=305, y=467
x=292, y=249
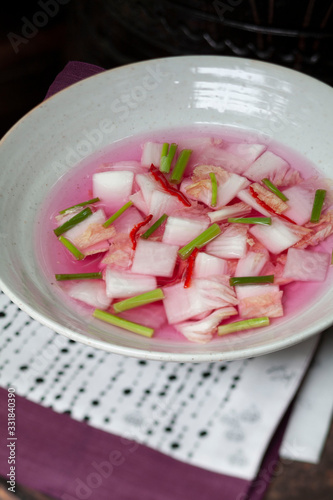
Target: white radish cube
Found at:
x=97, y=217
x=208, y=265
x=91, y=292
x=122, y=284
x=112, y=187
x=154, y=258
x=179, y=231
x=151, y=154
x=277, y=237
x=267, y=165
x=305, y=265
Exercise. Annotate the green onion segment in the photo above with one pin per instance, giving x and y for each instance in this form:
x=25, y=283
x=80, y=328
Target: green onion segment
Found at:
x=251, y=220
x=78, y=276
x=139, y=300
x=83, y=204
x=73, y=221
x=117, y=214
x=165, y=149
x=318, y=205
x=274, y=189
x=179, y=168
x=251, y=280
x=154, y=226
x=214, y=189
x=200, y=241
x=123, y=323
x=167, y=156
x=246, y=324
x=72, y=248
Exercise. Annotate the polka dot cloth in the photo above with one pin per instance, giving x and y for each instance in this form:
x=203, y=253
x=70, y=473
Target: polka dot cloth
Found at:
x=213, y=415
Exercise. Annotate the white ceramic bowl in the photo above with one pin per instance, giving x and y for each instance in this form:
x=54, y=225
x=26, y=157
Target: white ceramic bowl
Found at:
x=266, y=100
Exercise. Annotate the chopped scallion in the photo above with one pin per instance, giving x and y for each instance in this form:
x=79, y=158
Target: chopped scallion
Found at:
x=214, y=189
x=318, y=205
x=154, y=226
x=72, y=248
x=274, y=189
x=78, y=276
x=117, y=214
x=167, y=157
x=139, y=300
x=251, y=280
x=251, y=220
x=179, y=168
x=165, y=149
x=123, y=323
x=246, y=324
x=73, y=221
x=200, y=241
x=83, y=204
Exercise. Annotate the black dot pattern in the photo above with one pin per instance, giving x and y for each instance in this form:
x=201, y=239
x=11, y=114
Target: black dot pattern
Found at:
x=180, y=409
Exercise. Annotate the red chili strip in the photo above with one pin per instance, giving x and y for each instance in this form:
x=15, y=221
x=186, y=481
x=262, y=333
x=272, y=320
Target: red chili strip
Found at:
x=158, y=176
x=136, y=228
x=267, y=207
x=190, y=268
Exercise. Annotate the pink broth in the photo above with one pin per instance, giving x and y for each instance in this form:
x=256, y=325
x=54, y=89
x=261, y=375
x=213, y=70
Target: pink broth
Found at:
x=76, y=186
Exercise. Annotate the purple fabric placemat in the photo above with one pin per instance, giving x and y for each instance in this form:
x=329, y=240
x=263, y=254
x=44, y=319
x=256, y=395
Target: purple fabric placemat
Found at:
x=73, y=72
x=70, y=460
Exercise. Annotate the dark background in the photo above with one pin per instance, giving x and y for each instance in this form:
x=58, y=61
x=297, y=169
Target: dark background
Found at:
x=38, y=37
